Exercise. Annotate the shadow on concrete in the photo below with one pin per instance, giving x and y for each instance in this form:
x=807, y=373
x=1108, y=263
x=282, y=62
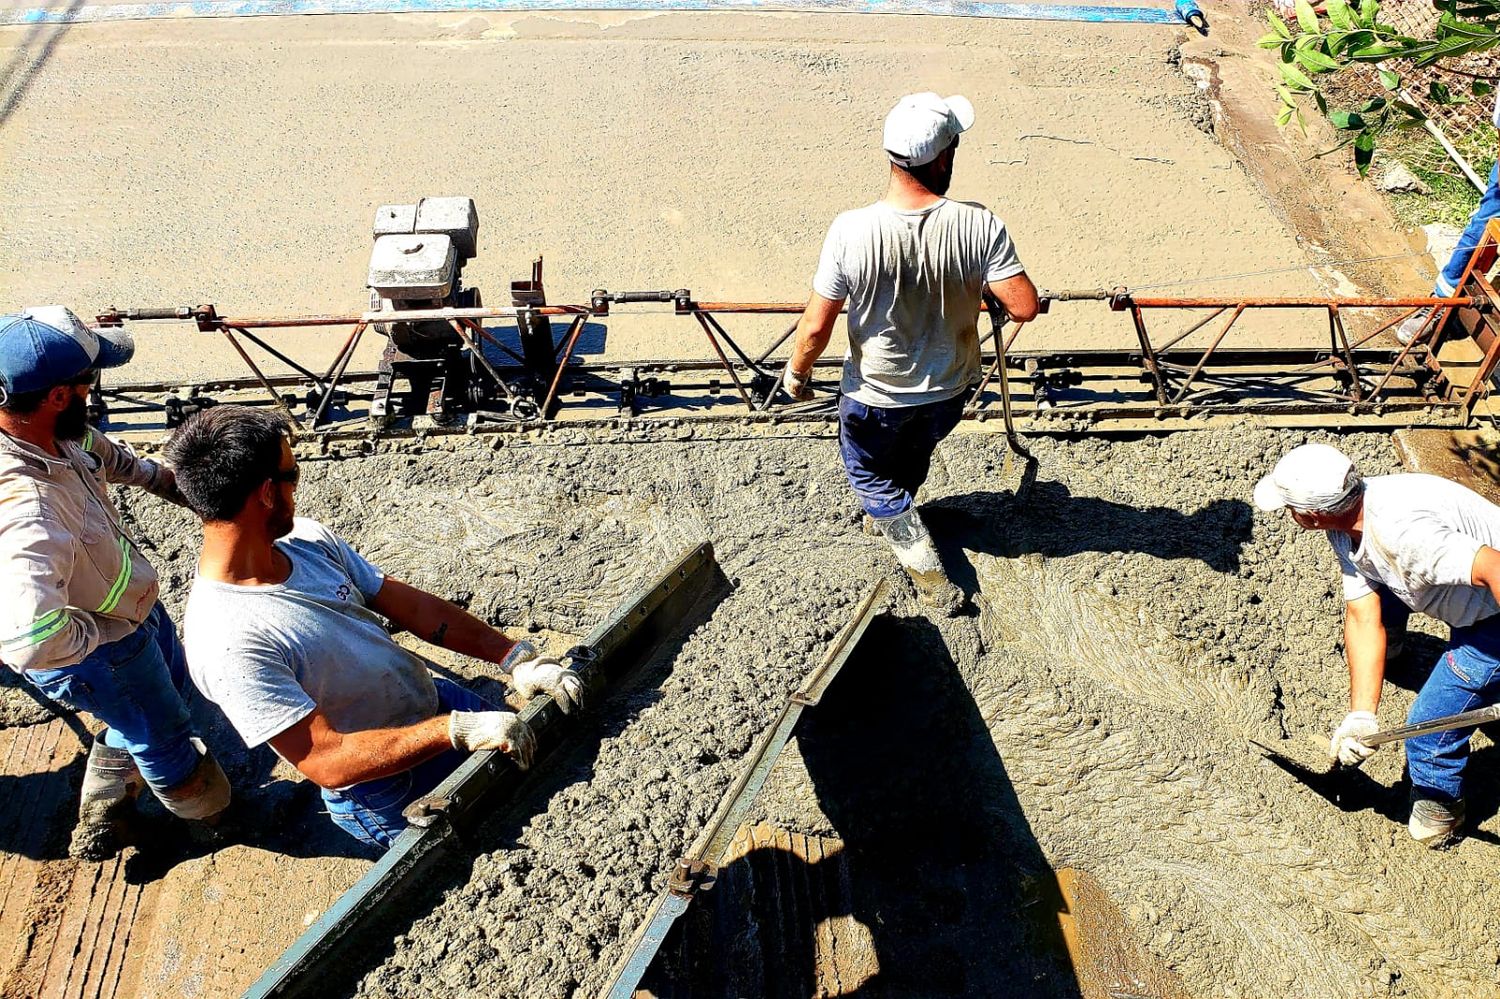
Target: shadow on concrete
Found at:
x=1352, y=790
x=29, y=58
x=1051, y=521
x=938, y=869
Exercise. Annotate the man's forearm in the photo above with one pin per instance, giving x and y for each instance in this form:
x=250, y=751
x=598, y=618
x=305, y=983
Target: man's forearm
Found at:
x=1364, y=646
x=381, y=752
x=439, y=622
x=455, y=628
x=165, y=486
x=808, y=347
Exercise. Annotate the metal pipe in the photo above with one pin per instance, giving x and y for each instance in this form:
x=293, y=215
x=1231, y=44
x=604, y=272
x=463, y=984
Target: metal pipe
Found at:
x=562, y=364
x=725, y=361
x=1239, y=311
x=343, y=364
x=1466, y=719
x=1294, y=303
x=1191, y=330
x=259, y=376
x=478, y=355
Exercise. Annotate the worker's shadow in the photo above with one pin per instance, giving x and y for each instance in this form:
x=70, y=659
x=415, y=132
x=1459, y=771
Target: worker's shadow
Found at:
x=1051, y=521
x=1353, y=790
x=938, y=888
x=39, y=810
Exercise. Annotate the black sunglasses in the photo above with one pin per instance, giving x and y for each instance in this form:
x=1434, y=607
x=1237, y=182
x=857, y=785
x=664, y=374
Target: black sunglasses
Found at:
x=292, y=475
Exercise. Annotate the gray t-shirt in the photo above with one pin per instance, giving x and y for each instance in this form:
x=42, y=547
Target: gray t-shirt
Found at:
x=266, y=655
x=1421, y=533
x=913, y=281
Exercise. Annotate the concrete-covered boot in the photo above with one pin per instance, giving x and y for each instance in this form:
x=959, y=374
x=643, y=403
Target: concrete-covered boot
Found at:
x=1435, y=824
x=908, y=538
x=204, y=794
x=111, y=783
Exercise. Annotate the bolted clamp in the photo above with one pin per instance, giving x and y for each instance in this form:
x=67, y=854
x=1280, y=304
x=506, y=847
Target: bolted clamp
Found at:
x=692, y=876
x=427, y=811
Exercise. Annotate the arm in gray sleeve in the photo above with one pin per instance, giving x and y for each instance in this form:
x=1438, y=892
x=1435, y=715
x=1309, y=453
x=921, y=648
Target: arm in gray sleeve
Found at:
x=38, y=630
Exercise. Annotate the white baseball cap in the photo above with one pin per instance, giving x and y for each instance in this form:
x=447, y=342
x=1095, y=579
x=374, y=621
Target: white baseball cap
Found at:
x=922, y=125
x=1312, y=477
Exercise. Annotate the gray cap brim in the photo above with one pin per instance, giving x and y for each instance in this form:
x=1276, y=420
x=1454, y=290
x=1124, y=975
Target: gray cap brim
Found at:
x=116, y=347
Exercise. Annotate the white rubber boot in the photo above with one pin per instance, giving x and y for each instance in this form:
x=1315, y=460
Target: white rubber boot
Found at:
x=1435, y=824
x=909, y=539
x=204, y=794
x=111, y=783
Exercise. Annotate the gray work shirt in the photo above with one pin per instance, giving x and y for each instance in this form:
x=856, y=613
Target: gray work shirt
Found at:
x=1421, y=534
x=913, y=280
x=266, y=655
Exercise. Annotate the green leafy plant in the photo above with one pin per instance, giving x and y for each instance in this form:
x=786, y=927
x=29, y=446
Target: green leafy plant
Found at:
x=1315, y=49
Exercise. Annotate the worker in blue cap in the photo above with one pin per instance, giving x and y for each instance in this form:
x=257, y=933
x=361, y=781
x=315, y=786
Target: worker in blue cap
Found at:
x=79, y=614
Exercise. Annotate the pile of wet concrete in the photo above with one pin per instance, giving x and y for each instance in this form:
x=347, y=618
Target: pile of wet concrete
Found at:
x=1135, y=623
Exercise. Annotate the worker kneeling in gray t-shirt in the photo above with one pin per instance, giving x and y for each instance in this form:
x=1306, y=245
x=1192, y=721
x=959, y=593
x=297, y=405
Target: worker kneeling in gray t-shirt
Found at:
x=284, y=633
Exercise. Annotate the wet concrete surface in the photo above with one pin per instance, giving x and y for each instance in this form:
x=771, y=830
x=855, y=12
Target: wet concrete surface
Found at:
x=1135, y=625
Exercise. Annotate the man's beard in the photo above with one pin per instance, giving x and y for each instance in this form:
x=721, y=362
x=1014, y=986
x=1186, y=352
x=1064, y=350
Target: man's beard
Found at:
x=282, y=519
x=73, y=422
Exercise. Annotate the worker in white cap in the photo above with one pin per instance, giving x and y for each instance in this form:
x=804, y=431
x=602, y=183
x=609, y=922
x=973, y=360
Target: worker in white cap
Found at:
x=913, y=267
x=1405, y=543
x=79, y=613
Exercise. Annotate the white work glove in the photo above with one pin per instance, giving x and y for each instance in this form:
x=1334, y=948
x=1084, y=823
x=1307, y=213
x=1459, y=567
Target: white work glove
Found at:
x=502, y=730
x=796, y=385
x=546, y=675
x=1344, y=745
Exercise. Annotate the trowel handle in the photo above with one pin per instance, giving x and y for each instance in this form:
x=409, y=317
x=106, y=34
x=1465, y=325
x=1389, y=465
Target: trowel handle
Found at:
x=1467, y=719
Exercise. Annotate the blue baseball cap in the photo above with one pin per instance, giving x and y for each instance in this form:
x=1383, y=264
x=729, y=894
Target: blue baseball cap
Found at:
x=46, y=345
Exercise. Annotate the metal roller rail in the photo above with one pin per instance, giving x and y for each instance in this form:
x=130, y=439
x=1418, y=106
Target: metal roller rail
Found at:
x=1163, y=381
x=331, y=946
x=696, y=871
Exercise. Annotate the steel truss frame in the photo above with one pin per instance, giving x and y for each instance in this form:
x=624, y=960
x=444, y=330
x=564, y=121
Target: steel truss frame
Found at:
x=1162, y=380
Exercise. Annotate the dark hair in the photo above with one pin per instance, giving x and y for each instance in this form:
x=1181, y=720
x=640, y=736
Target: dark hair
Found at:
x=26, y=403
x=223, y=454
x=929, y=175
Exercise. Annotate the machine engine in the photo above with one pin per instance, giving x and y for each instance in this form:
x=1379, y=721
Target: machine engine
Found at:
x=430, y=368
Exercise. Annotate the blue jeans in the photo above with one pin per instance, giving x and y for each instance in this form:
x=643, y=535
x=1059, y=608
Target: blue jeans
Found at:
x=135, y=687
x=1489, y=207
x=888, y=452
x=1467, y=676
x=371, y=810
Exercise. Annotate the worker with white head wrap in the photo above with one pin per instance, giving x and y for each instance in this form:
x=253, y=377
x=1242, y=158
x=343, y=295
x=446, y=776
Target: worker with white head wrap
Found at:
x=1405, y=543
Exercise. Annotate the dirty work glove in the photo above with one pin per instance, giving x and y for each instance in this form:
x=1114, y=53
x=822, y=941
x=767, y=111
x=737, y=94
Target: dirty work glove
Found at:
x=1344, y=745
x=502, y=730
x=546, y=675
x=796, y=385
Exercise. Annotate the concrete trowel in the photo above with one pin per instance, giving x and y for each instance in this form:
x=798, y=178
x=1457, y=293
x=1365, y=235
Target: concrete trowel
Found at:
x=1465, y=719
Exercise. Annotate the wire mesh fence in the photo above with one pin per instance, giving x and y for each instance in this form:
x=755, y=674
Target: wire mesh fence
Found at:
x=1418, y=19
